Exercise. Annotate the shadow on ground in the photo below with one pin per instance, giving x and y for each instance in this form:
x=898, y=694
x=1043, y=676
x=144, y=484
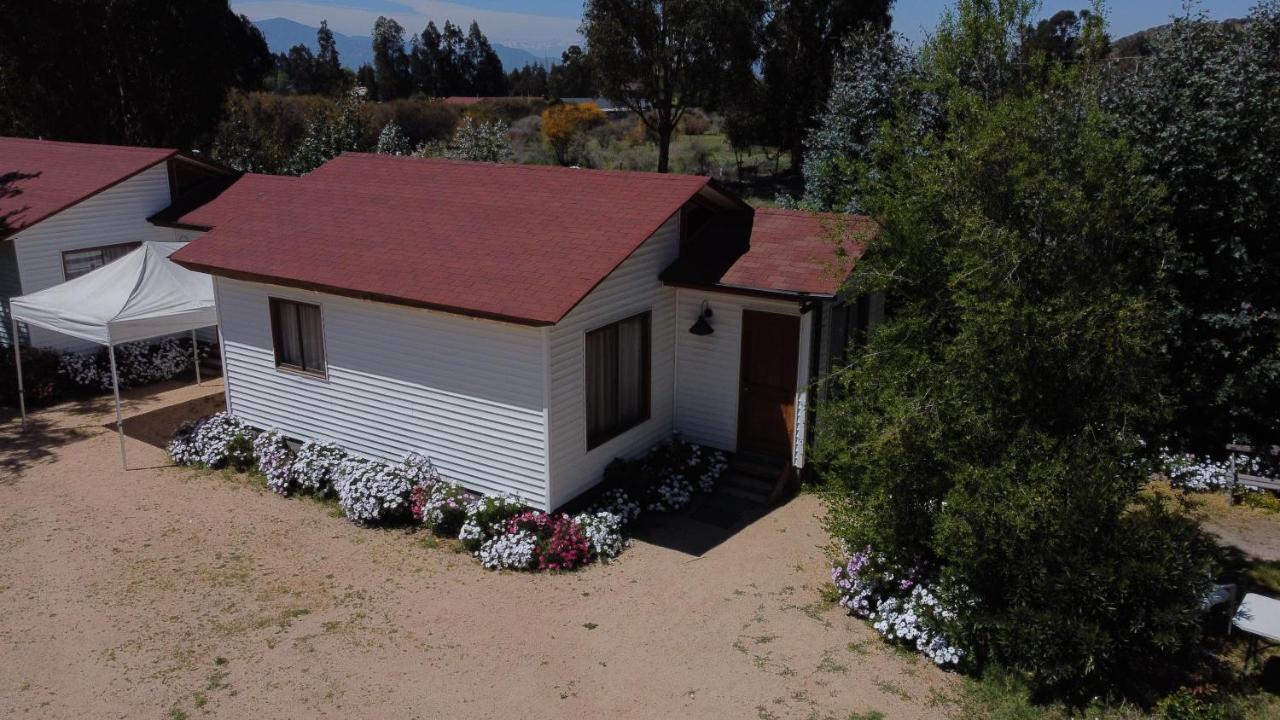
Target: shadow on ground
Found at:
x=706, y=523
x=53, y=427
x=156, y=427
x=21, y=449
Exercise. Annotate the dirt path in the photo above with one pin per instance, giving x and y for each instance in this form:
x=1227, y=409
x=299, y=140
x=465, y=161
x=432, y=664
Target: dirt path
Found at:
x=1254, y=532
x=167, y=592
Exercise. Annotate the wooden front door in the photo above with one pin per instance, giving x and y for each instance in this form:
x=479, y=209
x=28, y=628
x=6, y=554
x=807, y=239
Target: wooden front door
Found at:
x=767, y=383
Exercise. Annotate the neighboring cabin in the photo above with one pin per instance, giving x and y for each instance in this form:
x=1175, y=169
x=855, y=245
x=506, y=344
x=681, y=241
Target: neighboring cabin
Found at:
x=69, y=208
x=522, y=325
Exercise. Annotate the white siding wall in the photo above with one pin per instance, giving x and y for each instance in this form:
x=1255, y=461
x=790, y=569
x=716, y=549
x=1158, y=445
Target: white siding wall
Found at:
x=116, y=215
x=632, y=288
x=707, y=373
x=469, y=393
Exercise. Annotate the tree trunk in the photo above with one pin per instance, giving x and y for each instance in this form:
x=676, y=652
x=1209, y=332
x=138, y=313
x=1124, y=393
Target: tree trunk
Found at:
x=665, y=130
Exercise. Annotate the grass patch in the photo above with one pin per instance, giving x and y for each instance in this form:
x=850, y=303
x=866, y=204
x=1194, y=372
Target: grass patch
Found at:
x=1001, y=695
x=829, y=664
x=891, y=688
x=590, y=625
x=868, y=715
x=1264, y=501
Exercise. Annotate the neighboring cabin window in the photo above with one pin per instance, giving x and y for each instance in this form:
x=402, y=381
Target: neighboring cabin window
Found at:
x=298, y=336
x=617, y=378
x=78, y=262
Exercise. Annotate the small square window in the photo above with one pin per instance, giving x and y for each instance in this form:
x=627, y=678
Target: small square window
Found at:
x=298, y=336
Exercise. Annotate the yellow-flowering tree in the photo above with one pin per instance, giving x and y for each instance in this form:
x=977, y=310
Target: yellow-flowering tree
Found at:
x=563, y=124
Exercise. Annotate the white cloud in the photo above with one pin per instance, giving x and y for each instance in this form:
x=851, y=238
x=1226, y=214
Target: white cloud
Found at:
x=507, y=28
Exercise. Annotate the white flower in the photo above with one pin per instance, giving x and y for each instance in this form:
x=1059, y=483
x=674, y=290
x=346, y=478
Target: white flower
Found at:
x=275, y=460
x=215, y=441
x=514, y=551
x=603, y=531
x=370, y=492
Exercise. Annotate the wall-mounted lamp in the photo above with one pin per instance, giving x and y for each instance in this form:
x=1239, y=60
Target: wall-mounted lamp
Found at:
x=701, y=326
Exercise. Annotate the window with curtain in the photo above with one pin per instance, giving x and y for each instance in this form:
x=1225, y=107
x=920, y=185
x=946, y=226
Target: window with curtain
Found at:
x=617, y=378
x=298, y=336
x=78, y=262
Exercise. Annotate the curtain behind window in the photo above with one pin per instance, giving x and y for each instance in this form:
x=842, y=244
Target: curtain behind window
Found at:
x=289, y=337
x=631, y=358
x=311, y=337
x=617, y=378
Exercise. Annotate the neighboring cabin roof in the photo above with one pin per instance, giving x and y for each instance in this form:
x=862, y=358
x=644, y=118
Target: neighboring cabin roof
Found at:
x=39, y=178
x=783, y=253
x=217, y=201
x=520, y=243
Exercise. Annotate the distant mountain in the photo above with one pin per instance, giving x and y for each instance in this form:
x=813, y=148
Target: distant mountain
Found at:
x=354, y=51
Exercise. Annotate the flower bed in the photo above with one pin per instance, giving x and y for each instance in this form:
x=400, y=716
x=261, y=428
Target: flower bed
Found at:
x=664, y=480
x=1199, y=473
x=500, y=531
x=51, y=376
x=138, y=363
x=901, y=605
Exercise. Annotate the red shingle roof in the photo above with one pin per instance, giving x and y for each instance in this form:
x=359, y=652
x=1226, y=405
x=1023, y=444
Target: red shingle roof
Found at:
x=217, y=202
x=39, y=178
x=774, y=252
x=513, y=242
x=795, y=251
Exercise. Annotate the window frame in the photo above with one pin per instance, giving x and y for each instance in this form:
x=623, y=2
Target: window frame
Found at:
x=130, y=244
x=273, y=304
x=646, y=381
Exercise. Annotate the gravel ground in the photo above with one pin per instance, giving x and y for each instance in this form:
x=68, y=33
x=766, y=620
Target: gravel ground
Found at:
x=165, y=592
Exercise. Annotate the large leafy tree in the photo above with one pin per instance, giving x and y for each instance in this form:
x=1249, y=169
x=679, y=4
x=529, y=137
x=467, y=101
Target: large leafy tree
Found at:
x=571, y=77
x=449, y=62
x=801, y=41
x=659, y=57
x=487, y=78
x=991, y=430
x=425, y=61
x=328, y=73
x=874, y=70
x=1202, y=108
x=528, y=81
x=140, y=72
x=390, y=61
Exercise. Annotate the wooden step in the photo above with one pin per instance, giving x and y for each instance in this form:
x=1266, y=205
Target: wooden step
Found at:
x=764, y=468
x=747, y=487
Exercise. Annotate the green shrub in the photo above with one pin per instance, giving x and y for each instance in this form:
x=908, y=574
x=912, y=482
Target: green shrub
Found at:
x=1183, y=705
x=992, y=428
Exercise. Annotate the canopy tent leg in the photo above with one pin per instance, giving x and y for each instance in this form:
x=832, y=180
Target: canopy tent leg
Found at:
x=17, y=362
x=115, y=388
x=195, y=354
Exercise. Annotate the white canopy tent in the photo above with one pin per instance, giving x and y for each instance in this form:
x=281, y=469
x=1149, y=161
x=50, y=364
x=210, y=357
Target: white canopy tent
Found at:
x=142, y=295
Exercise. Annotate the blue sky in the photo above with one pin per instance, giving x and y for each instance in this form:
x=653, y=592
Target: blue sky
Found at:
x=548, y=23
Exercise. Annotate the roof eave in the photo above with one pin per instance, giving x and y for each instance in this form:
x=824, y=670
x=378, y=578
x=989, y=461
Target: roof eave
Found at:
x=176, y=225
x=95, y=193
x=360, y=294
x=797, y=295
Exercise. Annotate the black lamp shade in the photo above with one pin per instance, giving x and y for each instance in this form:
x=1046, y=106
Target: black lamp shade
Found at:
x=701, y=326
